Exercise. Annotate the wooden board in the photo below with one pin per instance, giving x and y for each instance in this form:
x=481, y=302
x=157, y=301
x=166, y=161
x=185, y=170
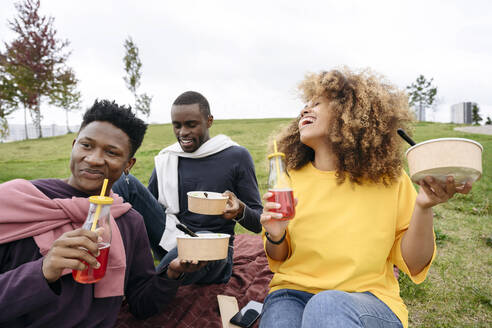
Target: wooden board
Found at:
x=227, y=307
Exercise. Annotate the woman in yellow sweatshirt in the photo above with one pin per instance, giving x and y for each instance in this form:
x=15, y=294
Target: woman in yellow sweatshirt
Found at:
x=357, y=211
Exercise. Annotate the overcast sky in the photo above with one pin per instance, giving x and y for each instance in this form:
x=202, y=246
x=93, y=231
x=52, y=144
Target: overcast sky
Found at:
x=247, y=57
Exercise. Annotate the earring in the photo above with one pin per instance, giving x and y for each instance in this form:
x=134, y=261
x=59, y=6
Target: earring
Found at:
x=126, y=178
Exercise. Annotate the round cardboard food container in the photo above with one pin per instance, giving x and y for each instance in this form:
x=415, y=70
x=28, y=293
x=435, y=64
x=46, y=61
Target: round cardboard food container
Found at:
x=206, y=202
x=205, y=247
x=439, y=158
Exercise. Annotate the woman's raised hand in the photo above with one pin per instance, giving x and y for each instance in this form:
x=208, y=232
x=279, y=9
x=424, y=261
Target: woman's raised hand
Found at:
x=270, y=220
x=433, y=192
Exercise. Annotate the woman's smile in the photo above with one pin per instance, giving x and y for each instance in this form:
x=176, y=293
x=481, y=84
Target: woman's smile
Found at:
x=306, y=120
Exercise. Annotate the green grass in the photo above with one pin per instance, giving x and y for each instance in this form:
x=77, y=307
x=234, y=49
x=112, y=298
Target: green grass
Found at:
x=458, y=290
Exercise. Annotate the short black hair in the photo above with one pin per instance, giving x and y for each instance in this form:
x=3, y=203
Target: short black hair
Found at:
x=193, y=97
x=120, y=116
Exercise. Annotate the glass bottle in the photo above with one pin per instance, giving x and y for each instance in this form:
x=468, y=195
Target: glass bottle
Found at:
x=92, y=275
x=280, y=185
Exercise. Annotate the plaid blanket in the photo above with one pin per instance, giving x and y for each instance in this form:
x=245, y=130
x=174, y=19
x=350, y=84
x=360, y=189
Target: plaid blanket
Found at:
x=196, y=305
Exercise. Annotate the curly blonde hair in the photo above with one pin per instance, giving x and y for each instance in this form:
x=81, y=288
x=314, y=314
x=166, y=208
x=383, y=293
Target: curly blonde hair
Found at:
x=367, y=111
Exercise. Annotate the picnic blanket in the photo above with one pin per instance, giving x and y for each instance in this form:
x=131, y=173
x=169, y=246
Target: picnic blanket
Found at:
x=196, y=306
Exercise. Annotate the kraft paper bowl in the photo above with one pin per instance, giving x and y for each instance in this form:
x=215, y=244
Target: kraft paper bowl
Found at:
x=440, y=158
x=206, y=202
x=205, y=247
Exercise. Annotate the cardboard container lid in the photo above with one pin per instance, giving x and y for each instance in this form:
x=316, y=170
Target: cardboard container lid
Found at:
x=205, y=195
x=206, y=236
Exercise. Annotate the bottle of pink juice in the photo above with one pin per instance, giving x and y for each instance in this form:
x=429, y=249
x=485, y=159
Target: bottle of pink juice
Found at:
x=280, y=185
x=92, y=275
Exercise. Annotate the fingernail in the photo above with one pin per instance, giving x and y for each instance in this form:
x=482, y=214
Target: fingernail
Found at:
x=277, y=205
x=98, y=265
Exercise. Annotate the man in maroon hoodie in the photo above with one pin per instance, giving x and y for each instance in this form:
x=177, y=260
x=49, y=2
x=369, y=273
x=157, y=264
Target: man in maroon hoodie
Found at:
x=35, y=256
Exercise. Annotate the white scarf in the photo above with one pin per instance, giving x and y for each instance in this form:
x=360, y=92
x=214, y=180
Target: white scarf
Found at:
x=166, y=168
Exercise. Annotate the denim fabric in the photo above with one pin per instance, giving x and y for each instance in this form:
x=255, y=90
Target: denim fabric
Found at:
x=284, y=308
x=154, y=215
x=289, y=308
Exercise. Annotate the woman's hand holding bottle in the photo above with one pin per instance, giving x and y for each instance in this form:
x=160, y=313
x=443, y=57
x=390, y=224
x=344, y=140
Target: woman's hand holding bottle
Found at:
x=272, y=221
x=280, y=203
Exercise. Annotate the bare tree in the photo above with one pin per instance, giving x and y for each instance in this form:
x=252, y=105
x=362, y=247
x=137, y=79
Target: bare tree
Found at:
x=133, y=64
x=65, y=94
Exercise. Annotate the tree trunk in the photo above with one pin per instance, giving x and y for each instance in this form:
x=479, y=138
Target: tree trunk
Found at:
x=36, y=117
x=38, y=123
x=25, y=123
x=4, y=128
x=68, y=126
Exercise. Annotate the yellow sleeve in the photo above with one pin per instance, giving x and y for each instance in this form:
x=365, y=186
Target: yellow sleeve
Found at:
x=274, y=264
x=406, y=203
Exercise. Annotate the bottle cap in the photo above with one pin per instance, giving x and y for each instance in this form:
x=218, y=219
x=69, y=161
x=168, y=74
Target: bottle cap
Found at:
x=276, y=154
x=101, y=200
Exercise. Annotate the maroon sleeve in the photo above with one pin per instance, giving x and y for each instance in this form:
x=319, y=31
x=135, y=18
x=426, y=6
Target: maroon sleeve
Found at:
x=24, y=289
x=147, y=292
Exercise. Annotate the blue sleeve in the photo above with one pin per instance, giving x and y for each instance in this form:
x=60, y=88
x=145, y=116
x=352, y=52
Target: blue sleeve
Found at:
x=246, y=187
x=153, y=187
x=24, y=289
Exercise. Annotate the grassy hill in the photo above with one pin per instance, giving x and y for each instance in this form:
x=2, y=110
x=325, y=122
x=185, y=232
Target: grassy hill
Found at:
x=458, y=291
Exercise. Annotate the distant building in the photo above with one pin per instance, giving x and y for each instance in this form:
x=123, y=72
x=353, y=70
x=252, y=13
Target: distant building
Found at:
x=462, y=113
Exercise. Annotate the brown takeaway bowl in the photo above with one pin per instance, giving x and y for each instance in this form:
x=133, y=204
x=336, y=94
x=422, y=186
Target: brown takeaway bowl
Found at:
x=211, y=204
x=439, y=158
x=205, y=247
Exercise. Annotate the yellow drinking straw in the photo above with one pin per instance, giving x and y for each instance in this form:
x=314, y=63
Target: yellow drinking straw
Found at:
x=98, y=209
x=276, y=158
